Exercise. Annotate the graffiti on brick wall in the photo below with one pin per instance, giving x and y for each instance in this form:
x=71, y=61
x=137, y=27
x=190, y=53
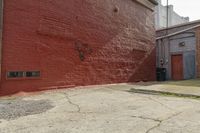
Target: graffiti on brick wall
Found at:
x=83, y=49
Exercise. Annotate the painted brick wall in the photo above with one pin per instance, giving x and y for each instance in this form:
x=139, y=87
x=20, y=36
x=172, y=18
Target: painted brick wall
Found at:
x=77, y=42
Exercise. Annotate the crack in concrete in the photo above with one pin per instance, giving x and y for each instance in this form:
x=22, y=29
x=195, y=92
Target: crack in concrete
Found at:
x=156, y=120
x=146, y=118
x=154, y=127
x=161, y=121
x=74, y=104
x=150, y=98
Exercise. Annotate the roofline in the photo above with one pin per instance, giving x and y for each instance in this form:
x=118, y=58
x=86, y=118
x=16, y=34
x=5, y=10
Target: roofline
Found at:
x=178, y=32
x=155, y=2
x=179, y=25
x=150, y=4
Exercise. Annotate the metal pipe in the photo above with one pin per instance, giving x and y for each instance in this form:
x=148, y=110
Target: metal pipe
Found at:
x=167, y=17
x=167, y=54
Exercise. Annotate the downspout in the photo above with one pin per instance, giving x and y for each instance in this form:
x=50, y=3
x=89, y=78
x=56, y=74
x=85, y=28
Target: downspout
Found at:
x=168, y=56
x=1, y=37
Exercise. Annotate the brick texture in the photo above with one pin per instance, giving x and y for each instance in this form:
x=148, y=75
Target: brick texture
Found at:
x=77, y=42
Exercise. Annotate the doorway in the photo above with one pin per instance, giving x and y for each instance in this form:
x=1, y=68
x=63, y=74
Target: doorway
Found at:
x=177, y=67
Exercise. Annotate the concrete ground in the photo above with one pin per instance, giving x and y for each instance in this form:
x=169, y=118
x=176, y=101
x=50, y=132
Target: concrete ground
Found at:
x=99, y=109
x=187, y=87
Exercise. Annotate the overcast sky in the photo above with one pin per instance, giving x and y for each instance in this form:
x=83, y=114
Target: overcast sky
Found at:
x=190, y=8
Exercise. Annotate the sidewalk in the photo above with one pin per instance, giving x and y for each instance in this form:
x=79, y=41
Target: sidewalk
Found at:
x=188, y=88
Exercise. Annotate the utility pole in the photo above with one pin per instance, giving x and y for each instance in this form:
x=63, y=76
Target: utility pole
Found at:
x=163, y=41
x=167, y=21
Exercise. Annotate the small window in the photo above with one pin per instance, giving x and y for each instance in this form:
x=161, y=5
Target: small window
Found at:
x=182, y=44
x=15, y=74
x=23, y=74
x=32, y=74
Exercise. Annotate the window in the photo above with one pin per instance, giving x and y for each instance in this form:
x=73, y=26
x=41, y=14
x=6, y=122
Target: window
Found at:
x=23, y=74
x=33, y=74
x=182, y=44
x=15, y=74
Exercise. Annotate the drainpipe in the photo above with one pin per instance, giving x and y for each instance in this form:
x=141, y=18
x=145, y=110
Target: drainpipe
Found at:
x=166, y=34
x=168, y=44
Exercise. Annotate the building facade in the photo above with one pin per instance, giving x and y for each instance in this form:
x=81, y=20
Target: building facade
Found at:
x=173, y=17
x=178, y=50
x=51, y=44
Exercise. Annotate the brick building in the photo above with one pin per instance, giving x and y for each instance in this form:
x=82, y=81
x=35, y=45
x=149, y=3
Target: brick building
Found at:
x=49, y=44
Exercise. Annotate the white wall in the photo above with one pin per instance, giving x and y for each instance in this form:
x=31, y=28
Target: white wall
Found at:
x=173, y=18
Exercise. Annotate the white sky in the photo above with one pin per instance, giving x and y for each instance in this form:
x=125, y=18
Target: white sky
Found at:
x=190, y=8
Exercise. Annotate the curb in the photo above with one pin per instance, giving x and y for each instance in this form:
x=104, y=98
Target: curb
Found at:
x=153, y=92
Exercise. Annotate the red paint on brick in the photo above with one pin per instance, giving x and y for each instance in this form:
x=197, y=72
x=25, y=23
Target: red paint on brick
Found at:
x=77, y=42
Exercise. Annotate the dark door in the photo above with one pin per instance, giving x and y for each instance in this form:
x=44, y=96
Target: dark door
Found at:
x=177, y=67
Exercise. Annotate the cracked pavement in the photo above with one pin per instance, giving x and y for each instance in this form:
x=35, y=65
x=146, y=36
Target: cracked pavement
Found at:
x=99, y=109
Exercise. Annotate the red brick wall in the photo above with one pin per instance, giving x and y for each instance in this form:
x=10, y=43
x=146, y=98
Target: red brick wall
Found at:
x=115, y=40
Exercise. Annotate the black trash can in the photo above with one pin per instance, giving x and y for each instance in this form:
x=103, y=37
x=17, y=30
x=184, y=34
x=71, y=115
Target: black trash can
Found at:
x=161, y=74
